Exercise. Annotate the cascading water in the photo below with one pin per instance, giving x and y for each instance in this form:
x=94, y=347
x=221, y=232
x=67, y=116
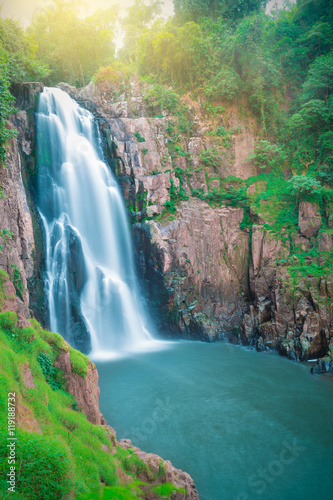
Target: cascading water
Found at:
x=89, y=264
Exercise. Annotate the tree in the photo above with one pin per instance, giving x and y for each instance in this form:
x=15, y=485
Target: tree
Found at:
x=18, y=62
x=139, y=17
x=73, y=48
x=194, y=10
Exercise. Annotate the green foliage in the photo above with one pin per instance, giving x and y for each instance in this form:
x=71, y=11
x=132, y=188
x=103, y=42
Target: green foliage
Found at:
x=139, y=137
x=18, y=282
x=3, y=279
x=73, y=47
x=210, y=158
x=49, y=371
x=18, y=53
x=160, y=98
x=271, y=157
x=305, y=187
x=130, y=492
x=18, y=63
x=193, y=10
x=225, y=85
x=112, y=81
x=6, y=104
x=166, y=490
x=139, y=16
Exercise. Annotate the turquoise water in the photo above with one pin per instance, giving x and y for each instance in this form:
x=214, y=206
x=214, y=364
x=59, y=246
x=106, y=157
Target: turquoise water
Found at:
x=245, y=425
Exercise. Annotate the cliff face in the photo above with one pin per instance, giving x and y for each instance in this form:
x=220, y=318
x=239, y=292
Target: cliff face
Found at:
x=205, y=272
x=35, y=363
x=193, y=262
x=16, y=232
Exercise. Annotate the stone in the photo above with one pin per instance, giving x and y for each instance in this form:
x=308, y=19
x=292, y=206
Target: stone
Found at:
x=309, y=218
x=323, y=365
x=172, y=475
x=27, y=376
x=18, y=242
x=84, y=390
x=325, y=242
x=69, y=89
x=312, y=342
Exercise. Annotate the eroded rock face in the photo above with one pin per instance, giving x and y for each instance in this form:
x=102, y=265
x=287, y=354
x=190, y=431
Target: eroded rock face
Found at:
x=309, y=218
x=202, y=256
x=296, y=320
x=84, y=390
x=16, y=235
x=195, y=266
x=200, y=278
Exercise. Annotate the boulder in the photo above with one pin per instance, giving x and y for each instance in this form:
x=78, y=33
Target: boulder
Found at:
x=309, y=218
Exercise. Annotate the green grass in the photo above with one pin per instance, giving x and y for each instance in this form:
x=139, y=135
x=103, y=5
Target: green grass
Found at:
x=66, y=460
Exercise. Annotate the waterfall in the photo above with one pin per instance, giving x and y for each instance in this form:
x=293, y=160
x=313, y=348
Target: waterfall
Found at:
x=90, y=279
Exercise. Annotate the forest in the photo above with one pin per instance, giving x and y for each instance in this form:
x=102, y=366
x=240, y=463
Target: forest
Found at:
x=282, y=62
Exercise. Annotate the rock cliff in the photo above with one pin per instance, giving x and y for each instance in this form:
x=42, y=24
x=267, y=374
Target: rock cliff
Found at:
x=208, y=273
x=22, y=293
x=208, y=270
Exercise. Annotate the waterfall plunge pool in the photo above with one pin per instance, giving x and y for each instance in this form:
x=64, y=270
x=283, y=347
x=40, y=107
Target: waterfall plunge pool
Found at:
x=245, y=425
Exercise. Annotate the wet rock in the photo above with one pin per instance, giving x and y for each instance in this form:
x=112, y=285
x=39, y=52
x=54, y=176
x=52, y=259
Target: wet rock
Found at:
x=26, y=94
x=312, y=341
x=323, y=365
x=69, y=89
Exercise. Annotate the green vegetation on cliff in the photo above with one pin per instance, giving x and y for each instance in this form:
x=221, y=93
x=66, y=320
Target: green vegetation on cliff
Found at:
x=18, y=63
x=59, y=453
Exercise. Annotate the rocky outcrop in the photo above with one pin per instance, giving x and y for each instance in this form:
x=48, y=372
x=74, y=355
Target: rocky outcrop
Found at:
x=21, y=250
x=309, y=218
x=324, y=365
x=140, y=134
x=202, y=258
x=16, y=234
x=291, y=314
x=165, y=471
x=203, y=275
x=85, y=390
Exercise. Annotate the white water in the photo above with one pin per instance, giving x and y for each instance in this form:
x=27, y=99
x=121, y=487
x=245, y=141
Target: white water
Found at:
x=79, y=201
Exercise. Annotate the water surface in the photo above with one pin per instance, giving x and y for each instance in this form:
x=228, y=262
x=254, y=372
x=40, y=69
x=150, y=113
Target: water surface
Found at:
x=245, y=425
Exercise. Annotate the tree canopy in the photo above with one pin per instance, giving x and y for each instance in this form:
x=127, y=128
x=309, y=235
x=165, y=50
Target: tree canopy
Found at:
x=74, y=48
